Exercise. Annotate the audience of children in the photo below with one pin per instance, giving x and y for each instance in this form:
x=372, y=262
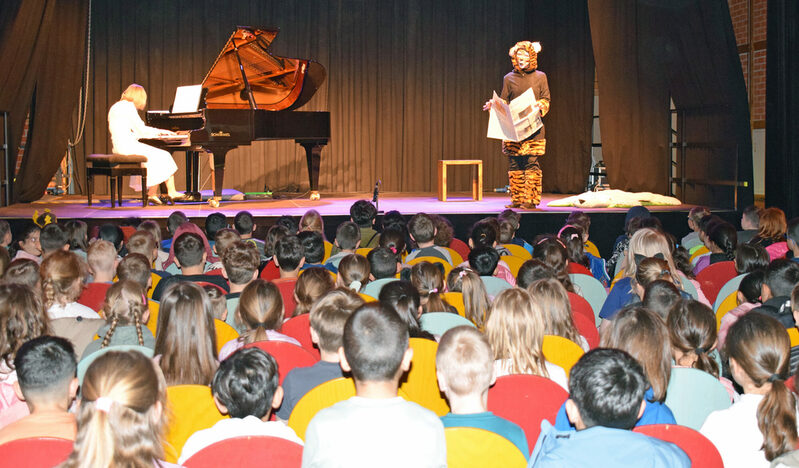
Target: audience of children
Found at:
x=102, y=261
x=311, y=286
x=348, y=239
x=353, y=272
x=27, y=244
x=240, y=267
x=190, y=256
x=422, y=231
x=552, y=300
x=428, y=279
x=62, y=274
x=403, y=297
x=475, y=298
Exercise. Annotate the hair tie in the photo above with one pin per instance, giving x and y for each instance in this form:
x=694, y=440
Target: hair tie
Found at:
x=574, y=236
x=462, y=273
x=566, y=227
x=665, y=272
x=434, y=290
x=393, y=250
x=699, y=350
x=103, y=404
x=774, y=377
x=355, y=285
x=263, y=325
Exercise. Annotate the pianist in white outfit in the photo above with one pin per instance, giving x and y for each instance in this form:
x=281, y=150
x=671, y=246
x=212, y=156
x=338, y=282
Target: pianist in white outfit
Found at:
x=126, y=128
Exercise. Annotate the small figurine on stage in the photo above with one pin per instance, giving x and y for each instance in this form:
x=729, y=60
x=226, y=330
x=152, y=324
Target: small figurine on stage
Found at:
x=524, y=173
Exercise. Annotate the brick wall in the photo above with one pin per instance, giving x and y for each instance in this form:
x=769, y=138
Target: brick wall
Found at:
x=745, y=24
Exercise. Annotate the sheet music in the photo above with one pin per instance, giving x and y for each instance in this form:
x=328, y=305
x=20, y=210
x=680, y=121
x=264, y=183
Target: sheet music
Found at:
x=515, y=121
x=187, y=99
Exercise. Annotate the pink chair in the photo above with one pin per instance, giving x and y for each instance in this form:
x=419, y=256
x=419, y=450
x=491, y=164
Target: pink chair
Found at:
x=699, y=449
x=37, y=452
x=714, y=276
x=299, y=328
x=287, y=355
x=526, y=400
x=245, y=451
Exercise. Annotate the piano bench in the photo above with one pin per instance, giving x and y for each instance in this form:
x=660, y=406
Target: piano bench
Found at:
x=116, y=166
x=477, y=176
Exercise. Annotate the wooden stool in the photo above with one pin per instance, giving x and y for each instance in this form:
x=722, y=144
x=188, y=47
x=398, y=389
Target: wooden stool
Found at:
x=116, y=166
x=477, y=176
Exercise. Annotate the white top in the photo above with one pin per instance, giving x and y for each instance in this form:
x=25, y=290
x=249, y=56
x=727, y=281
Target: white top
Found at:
x=236, y=344
x=367, y=432
x=126, y=126
x=556, y=373
x=235, y=427
x=71, y=310
x=735, y=434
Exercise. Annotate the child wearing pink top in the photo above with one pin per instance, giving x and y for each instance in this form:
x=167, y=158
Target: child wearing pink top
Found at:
x=748, y=299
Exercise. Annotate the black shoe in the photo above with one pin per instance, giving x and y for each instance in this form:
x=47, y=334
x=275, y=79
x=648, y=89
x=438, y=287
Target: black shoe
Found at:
x=179, y=197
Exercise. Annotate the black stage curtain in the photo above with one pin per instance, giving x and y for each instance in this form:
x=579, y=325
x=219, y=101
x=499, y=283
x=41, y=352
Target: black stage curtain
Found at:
x=782, y=107
x=42, y=52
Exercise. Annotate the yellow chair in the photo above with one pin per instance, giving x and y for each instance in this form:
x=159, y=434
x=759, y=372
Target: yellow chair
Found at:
x=514, y=263
x=224, y=333
x=156, y=278
x=363, y=251
x=442, y=262
x=192, y=409
x=152, y=323
x=616, y=278
x=468, y=447
x=793, y=334
x=328, y=250
x=518, y=251
x=730, y=302
x=591, y=248
x=456, y=257
x=420, y=383
x=320, y=397
x=367, y=298
x=455, y=299
x=562, y=352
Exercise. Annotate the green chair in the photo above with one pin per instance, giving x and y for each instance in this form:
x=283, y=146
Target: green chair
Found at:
x=373, y=288
x=438, y=323
x=494, y=285
x=694, y=394
x=590, y=289
x=729, y=287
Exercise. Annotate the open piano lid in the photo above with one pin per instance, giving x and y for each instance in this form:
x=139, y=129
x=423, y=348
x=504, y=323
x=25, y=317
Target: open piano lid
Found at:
x=277, y=83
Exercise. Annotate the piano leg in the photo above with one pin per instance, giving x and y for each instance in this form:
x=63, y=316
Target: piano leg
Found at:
x=313, y=153
x=219, y=169
x=193, y=176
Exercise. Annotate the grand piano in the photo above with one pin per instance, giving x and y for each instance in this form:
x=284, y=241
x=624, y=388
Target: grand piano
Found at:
x=248, y=95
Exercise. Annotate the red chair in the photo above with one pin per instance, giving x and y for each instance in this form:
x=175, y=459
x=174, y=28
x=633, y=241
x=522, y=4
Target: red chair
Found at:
x=526, y=400
x=576, y=268
x=286, y=289
x=587, y=328
x=699, y=449
x=36, y=452
x=299, y=328
x=714, y=276
x=580, y=306
x=287, y=355
x=242, y=451
x=461, y=247
x=215, y=272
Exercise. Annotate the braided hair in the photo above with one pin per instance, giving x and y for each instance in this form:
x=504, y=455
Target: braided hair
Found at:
x=125, y=304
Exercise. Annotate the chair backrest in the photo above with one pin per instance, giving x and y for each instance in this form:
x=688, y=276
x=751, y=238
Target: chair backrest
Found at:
x=699, y=448
x=84, y=363
x=318, y=398
x=590, y=289
x=695, y=254
x=192, y=408
x=364, y=251
x=514, y=263
x=587, y=328
x=287, y=355
x=729, y=287
x=156, y=279
x=154, y=308
x=693, y=394
x=224, y=333
x=367, y=297
x=526, y=400
x=461, y=247
x=299, y=328
x=468, y=447
x=714, y=276
x=494, y=285
x=689, y=287
x=793, y=335
x=242, y=451
x=590, y=247
x=442, y=262
x=438, y=323
x=420, y=382
x=455, y=299
x=518, y=251
x=35, y=452
x=577, y=269
x=328, y=250
x=457, y=258
x=562, y=352
x=727, y=304
x=580, y=306
x=373, y=288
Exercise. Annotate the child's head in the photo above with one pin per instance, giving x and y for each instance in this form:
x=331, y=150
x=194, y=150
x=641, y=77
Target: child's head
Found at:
x=475, y=298
x=692, y=331
x=553, y=300
x=363, y=213
x=122, y=407
x=5, y=260
x=751, y=287
x=260, y=309
x=113, y=234
x=23, y=271
x=246, y=384
x=175, y=220
x=781, y=276
x=289, y=253
x=464, y=363
x=403, y=298
x=580, y=220
x=142, y=242
x=135, y=267
x=759, y=352
x=312, y=284
x=445, y=231
x=647, y=243
x=185, y=337
x=394, y=219
x=125, y=305
x=533, y=270
x=46, y=369
x=792, y=234
x=313, y=245
x=29, y=240
x=348, y=236
x=750, y=218
x=648, y=271
x=274, y=234
x=218, y=299
x=749, y=257
x=723, y=237
x=515, y=329
x=660, y=296
x=484, y=260
x=189, y=250
x=102, y=257
x=606, y=388
x=244, y=223
x=77, y=234
x=312, y=221
x=353, y=272
x=695, y=215
x=62, y=276
x=224, y=238
x=289, y=223
x=383, y=262
x=551, y=250
x=509, y=222
x=484, y=233
x=329, y=315
x=572, y=238
x=22, y=317
x=213, y=223
x=421, y=228
x=153, y=228
x=772, y=224
x=644, y=335
x=5, y=233
x=240, y=262
x=393, y=239
x=53, y=237
x=375, y=345
x=428, y=279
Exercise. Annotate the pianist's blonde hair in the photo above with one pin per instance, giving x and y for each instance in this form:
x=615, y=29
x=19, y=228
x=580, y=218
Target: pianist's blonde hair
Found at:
x=135, y=94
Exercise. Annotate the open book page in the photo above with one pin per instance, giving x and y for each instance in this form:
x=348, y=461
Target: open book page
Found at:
x=515, y=121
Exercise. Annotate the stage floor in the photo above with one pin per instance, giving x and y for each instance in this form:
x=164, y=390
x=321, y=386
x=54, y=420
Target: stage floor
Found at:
x=74, y=206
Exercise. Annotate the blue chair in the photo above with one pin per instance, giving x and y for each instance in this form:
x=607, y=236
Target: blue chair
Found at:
x=84, y=363
x=729, y=287
x=693, y=394
x=438, y=323
x=495, y=285
x=590, y=289
x=373, y=288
